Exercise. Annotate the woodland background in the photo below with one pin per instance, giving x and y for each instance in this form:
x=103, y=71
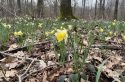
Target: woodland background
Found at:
x=85, y=9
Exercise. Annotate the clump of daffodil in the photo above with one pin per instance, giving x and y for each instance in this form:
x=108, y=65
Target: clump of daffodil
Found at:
x=19, y=33
x=101, y=30
x=6, y=25
x=61, y=35
x=49, y=32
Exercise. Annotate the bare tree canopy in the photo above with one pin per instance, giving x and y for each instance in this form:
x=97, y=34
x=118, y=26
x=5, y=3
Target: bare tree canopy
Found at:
x=87, y=9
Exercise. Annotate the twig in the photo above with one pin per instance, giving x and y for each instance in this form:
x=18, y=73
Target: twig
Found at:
x=28, y=68
x=3, y=73
x=20, y=76
x=110, y=41
x=42, y=70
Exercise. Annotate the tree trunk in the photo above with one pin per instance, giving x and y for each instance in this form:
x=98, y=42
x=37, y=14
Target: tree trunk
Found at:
x=116, y=9
x=40, y=6
x=95, y=9
x=83, y=9
x=122, y=10
x=19, y=6
x=55, y=7
x=103, y=9
x=100, y=9
x=11, y=6
x=66, y=10
x=1, y=9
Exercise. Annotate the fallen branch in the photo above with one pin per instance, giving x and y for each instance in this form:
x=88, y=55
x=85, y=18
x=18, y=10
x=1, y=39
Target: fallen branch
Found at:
x=111, y=47
x=20, y=76
x=110, y=41
x=25, y=48
x=22, y=58
x=3, y=72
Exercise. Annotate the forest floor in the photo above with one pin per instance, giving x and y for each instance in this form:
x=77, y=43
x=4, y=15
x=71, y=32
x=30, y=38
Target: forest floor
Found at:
x=30, y=52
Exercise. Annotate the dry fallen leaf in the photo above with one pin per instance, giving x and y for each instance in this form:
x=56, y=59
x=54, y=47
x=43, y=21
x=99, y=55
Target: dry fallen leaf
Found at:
x=82, y=80
x=13, y=46
x=11, y=73
x=32, y=80
x=14, y=64
x=50, y=63
x=45, y=76
x=19, y=54
x=85, y=42
x=42, y=64
x=11, y=65
x=51, y=54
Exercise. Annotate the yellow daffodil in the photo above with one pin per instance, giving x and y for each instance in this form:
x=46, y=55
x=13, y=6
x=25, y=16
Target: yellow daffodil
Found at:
x=123, y=37
x=18, y=33
x=49, y=33
x=40, y=24
x=110, y=33
x=101, y=30
x=15, y=33
x=61, y=35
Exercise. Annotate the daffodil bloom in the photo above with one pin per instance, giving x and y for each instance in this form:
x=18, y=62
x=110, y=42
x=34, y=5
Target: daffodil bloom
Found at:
x=9, y=26
x=123, y=36
x=49, y=33
x=61, y=27
x=101, y=30
x=114, y=20
x=40, y=24
x=15, y=33
x=18, y=33
x=70, y=27
x=110, y=33
x=61, y=35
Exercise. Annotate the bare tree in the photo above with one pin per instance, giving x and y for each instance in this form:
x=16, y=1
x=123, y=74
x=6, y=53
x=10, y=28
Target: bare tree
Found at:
x=66, y=10
x=19, y=6
x=11, y=6
x=116, y=9
x=83, y=7
x=96, y=8
x=55, y=7
x=122, y=10
x=1, y=8
x=103, y=9
x=40, y=5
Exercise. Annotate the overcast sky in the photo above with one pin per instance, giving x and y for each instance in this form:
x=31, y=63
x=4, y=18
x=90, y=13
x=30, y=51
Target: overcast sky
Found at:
x=90, y=2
